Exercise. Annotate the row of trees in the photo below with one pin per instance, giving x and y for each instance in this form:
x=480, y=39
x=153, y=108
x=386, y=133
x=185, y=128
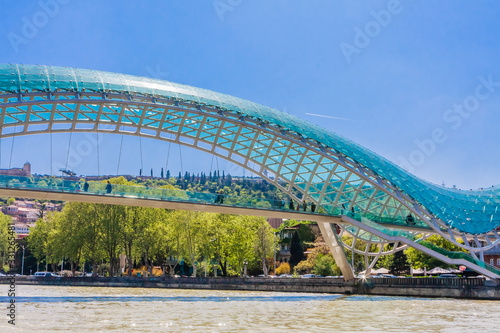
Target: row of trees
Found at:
x=4, y=241
x=98, y=233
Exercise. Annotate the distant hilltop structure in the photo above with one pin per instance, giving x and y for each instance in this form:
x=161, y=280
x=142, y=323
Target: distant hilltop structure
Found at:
x=25, y=171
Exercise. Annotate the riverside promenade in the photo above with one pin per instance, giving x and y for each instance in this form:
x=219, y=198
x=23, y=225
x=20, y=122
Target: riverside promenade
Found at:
x=472, y=288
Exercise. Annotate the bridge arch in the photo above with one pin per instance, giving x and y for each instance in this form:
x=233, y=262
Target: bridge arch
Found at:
x=335, y=173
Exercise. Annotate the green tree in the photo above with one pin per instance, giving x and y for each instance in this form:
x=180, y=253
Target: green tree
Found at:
x=325, y=265
x=296, y=250
x=307, y=266
x=110, y=232
x=37, y=240
x=419, y=259
x=73, y=232
x=400, y=265
x=190, y=226
x=264, y=243
x=5, y=222
x=221, y=226
x=91, y=216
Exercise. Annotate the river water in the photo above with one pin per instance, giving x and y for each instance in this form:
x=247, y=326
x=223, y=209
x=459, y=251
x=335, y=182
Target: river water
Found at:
x=83, y=309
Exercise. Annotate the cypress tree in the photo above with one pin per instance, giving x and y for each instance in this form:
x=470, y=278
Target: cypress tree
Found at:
x=400, y=265
x=296, y=250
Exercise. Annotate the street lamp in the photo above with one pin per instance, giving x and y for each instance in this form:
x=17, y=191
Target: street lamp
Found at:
x=216, y=264
x=245, y=263
x=22, y=265
x=275, y=253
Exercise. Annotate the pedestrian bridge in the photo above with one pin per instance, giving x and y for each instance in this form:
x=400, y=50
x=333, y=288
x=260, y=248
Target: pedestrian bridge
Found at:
x=304, y=161
x=396, y=231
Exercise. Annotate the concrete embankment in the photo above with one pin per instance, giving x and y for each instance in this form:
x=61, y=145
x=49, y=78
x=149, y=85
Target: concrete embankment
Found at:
x=428, y=287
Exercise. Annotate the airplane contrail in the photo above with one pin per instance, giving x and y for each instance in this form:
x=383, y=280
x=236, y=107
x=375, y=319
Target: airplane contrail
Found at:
x=324, y=116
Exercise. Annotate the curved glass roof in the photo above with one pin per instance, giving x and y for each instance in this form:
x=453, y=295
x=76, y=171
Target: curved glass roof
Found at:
x=469, y=211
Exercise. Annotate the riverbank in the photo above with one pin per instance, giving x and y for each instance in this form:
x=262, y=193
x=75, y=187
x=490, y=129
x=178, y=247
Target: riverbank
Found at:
x=428, y=287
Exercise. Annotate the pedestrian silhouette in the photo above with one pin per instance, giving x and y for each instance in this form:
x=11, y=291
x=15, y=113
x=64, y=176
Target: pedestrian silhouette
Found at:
x=108, y=187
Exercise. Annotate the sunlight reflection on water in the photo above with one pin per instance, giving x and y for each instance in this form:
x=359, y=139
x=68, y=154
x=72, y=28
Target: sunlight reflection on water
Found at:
x=81, y=309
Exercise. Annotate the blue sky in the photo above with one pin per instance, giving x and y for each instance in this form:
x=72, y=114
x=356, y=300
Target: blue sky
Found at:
x=399, y=71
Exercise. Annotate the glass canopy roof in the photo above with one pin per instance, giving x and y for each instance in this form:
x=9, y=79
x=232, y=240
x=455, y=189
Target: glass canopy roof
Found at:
x=469, y=211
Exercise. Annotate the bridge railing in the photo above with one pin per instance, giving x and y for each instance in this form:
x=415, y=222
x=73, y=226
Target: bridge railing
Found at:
x=459, y=255
x=151, y=193
x=455, y=282
x=57, y=184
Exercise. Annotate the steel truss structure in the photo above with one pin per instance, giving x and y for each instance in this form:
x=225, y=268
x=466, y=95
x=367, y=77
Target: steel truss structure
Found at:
x=335, y=173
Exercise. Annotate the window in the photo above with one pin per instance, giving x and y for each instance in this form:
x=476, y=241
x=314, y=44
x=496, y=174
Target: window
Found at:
x=498, y=262
x=491, y=262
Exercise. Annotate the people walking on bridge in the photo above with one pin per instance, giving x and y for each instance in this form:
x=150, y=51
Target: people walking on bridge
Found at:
x=108, y=187
x=77, y=187
x=352, y=211
x=298, y=206
x=283, y=203
x=86, y=186
x=219, y=198
x=313, y=207
x=290, y=204
x=304, y=205
x=410, y=219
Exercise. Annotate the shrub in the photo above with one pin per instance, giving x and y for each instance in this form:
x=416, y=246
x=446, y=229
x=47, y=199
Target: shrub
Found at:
x=303, y=267
x=284, y=268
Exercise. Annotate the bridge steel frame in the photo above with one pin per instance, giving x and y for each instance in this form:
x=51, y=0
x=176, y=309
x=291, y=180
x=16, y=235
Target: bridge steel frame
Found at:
x=283, y=157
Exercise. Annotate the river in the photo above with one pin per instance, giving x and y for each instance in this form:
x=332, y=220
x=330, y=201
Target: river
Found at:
x=83, y=309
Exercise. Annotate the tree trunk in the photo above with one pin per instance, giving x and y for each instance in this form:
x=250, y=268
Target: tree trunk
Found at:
x=128, y=252
x=171, y=270
x=130, y=264
x=223, y=268
x=264, y=267
x=146, y=261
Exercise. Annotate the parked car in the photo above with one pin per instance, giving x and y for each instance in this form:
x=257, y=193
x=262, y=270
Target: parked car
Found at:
x=307, y=276
x=448, y=275
x=45, y=274
x=285, y=276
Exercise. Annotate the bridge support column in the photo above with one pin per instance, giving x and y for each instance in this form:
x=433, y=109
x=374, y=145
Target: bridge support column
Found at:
x=337, y=249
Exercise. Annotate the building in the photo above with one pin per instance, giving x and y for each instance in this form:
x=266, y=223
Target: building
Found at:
x=492, y=256
x=25, y=213
x=274, y=222
x=285, y=241
x=25, y=171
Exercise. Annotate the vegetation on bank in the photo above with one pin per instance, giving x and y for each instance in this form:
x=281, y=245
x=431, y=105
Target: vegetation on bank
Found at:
x=98, y=233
